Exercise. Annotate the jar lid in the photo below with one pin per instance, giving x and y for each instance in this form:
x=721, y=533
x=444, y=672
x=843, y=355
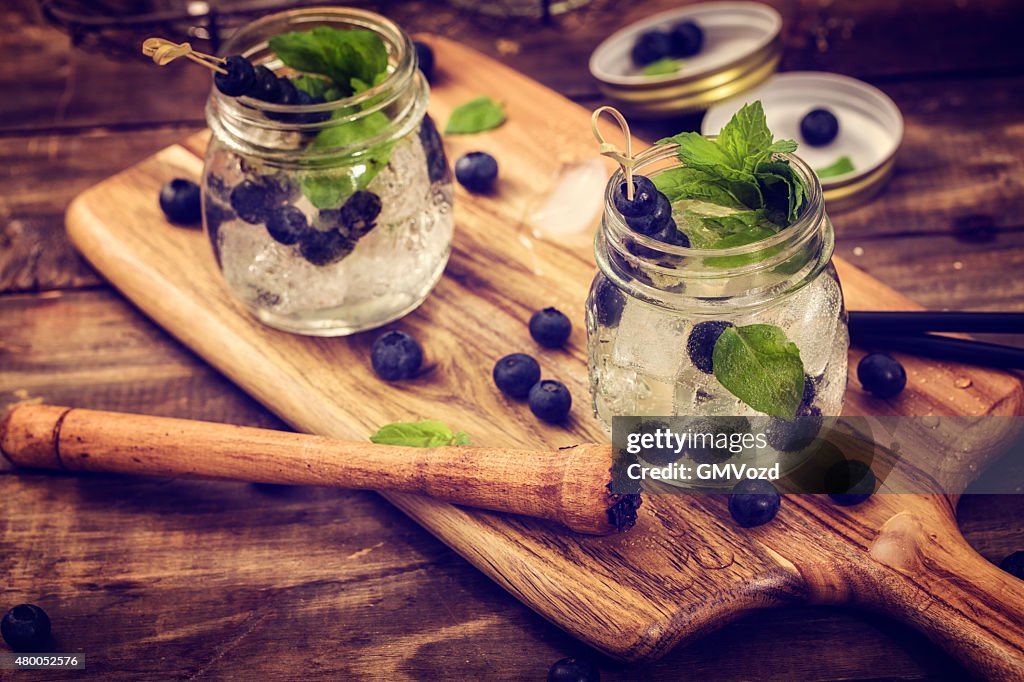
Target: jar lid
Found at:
x=870, y=128
x=741, y=49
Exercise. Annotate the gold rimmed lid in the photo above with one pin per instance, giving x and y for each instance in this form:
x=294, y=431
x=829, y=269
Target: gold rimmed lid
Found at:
x=741, y=49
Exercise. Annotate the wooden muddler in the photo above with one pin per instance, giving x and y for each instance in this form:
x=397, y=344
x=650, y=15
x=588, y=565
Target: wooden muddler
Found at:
x=569, y=486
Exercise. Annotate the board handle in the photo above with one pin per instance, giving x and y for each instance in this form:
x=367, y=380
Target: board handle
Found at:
x=968, y=605
x=567, y=486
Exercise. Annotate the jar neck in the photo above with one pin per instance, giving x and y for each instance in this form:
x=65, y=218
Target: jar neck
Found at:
x=281, y=133
x=704, y=280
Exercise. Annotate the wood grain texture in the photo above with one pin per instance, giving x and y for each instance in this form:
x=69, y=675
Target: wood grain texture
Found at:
x=685, y=569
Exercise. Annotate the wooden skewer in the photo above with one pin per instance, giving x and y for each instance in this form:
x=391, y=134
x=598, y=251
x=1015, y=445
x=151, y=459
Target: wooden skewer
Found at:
x=163, y=52
x=567, y=486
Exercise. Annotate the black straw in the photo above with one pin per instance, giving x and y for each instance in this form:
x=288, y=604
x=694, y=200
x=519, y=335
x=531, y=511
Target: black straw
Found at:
x=871, y=322
x=944, y=348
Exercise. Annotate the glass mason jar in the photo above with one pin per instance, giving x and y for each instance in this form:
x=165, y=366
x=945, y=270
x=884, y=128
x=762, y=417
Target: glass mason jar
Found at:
x=368, y=172
x=648, y=296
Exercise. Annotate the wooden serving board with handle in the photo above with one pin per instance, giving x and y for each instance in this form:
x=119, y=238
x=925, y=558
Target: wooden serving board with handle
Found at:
x=686, y=568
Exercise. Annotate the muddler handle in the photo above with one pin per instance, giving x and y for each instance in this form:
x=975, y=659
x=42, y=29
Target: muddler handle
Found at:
x=568, y=486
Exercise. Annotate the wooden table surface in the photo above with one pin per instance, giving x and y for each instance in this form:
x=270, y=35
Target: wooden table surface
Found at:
x=168, y=580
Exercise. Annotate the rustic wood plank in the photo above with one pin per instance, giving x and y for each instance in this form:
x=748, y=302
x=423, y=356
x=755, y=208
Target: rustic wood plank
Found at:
x=40, y=176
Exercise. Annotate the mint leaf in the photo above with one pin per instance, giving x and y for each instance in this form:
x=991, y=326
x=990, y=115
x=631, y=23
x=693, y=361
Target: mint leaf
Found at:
x=782, y=190
x=315, y=86
x=682, y=183
x=662, y=67
x=422, y=434
x=746, y=138
x=840, y=166
x=759, y=365
x=475, y=116
x=330, y=187
x=339, y=55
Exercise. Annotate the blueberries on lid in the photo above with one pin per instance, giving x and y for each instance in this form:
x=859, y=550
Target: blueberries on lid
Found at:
x=819, y=127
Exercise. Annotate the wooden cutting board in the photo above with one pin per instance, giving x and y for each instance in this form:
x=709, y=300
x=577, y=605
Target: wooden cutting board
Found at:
x=686, y=568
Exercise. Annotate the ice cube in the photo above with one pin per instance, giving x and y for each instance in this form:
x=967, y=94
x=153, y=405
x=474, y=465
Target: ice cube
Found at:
x=651, y=340
x=810, y=319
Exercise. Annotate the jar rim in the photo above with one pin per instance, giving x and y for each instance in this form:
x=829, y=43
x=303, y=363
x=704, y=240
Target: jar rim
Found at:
x=808, y=220
x=245, y=41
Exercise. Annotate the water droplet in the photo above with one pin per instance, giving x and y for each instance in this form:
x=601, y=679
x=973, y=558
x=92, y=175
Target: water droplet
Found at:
x=931, y=422
x=963, y=382
x=957, y=265
x=858, y=251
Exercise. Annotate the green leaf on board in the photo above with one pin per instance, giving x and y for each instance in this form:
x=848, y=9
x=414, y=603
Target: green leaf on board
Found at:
x=428, y=433
x=475, y=116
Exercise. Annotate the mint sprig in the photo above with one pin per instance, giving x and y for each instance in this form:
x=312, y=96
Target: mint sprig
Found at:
x=428, y=433
x=759, y=365
x=738, y=170
x=339, y=55
x=335, y=64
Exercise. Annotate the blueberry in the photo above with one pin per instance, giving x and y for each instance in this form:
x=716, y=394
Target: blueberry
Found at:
x=550, y=401
x=881, y=375
x=477, y=171
x=280, y=188
x=287, y=94
x=849, y=482
x=608, y=303
x=687, y=39
x=305, y=99
x=550, y=328
x=250, y=201
x=180, y=201
x=216, y=187
x=701, y=344
x=433, y=147
x=324, y=248
x=516, y=374
x=819, y=127
x=650, y=47
x=810, y=390
x=425, y=57
x=359, y=213
x=1014, y=564
x=670, y=234
x=396, y=356
x=645, y=196
x=239, y=77
x=793, y=435
x=573, y=670
x=25, y=628
x=287, y=224
x=265, y=85
x=754, y=502
x=654, y=220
